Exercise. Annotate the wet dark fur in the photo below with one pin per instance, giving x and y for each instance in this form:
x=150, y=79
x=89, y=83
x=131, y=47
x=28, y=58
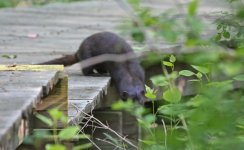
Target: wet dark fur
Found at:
x=128, y=76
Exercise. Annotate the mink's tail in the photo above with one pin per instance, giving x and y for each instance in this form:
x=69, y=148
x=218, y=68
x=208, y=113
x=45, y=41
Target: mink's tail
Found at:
x=67, y=60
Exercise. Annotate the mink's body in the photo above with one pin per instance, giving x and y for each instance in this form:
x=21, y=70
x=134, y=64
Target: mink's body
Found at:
x=128, y=76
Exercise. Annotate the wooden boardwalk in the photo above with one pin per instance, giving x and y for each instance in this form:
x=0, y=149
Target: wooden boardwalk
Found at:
x=21, y=90
x=36, y=34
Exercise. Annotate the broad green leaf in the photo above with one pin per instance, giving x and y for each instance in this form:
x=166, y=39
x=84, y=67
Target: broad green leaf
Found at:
x=150, y=93
x=139, y=111
x=45, y=120
x=138, y=35
x=55, y=113
x=150, y=118
x=172, y=95
x=169, y=64
x=201, y=69
x=127, y=105
x=239, y=77
x=83, y=146
x=199, y=75
x=226, y=34
x=68, y=133
x=218, y=37
x=186, y=73
x=192, y=7
x=172, y=58
x=159, y=80
x=55, y=147
x=172, y=109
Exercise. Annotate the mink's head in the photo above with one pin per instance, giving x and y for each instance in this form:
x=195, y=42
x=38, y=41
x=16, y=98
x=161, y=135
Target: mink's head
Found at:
x=136, y=93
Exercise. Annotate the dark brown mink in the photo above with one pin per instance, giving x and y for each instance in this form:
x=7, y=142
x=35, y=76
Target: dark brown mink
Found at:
x=128, y=76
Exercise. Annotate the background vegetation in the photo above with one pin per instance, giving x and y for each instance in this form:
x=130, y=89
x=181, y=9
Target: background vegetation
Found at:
x=211, y=116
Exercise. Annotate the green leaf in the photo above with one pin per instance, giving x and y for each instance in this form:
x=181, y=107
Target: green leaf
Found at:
x=239, y=77
x=226, y=34
x=150, y=118
x=83, y=146
x=45, y=120
x=201, y=69
x=172, y=109
x=169, y=64
x=150, y=93
x=192, y=7
x=55, y=113
x=172, y=95
x=186, y=73
x=137, y=35
x=218, y=37
x=148, y=142
x=172, y=58
x=68, y=133
x=112, y=139
x=199, y=75
x=127, y=105
x=219, y=26
x=160, y=80
x=55, y=147
x=9, y=56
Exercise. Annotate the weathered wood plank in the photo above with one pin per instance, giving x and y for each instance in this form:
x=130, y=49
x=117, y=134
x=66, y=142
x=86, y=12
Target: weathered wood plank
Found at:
x=17, y=101
x=85, y=93
x=31, y=67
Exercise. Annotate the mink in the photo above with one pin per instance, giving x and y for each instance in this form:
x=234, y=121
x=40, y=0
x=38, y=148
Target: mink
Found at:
x=128, y=76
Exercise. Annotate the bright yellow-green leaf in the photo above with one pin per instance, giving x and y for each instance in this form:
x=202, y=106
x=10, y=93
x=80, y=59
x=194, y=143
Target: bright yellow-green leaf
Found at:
x=201, y=69
x=68, y=133
x=55, y=147
x=45, y=120
x=169, y=64
x=186, y=73
x=172, y=95
x=172, y=58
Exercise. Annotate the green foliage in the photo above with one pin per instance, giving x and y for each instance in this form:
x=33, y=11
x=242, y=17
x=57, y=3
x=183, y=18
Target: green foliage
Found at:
x=239, y=77
x=7, y=3
x=67, y=134
x=230, y=26
x=212, y=116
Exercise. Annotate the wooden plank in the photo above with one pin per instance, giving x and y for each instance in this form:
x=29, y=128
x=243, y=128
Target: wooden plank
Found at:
x=85, y=93
x=31, y=67
x=57, y=98
x=17, y=101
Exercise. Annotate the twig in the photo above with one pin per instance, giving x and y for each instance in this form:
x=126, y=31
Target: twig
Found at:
x=111, y=130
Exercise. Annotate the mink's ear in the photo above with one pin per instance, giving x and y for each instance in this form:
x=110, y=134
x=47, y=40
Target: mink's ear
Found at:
x=124, y=95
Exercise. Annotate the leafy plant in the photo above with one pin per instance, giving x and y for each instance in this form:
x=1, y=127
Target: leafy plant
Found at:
x=212, y=116
x=58, y=135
